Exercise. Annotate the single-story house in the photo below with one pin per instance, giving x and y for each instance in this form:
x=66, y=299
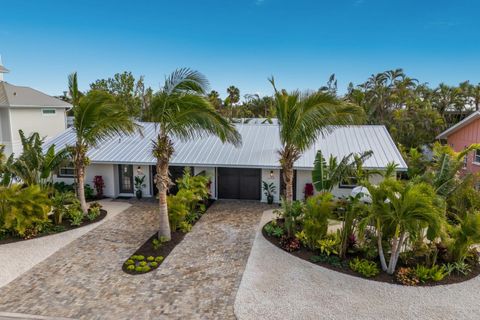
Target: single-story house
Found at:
x=235, y=172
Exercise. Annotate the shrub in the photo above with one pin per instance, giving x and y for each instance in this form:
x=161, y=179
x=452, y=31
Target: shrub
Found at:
x=62, y=187
x=365, y=267
x=315, y=223
x=142, y=263
x=289, y=244
x=22, y=208
x=331, y=260
x=292, y=213
x=99, y=184
x=328, y=246
x=129, y=262
x=93, y=213
x=300, y=235
x=60, y=200
x=185, y=227
x=153, y=264
x=435, y=273
x=177, y=211
x=407, y=276
x=138, y=269
x=138, y=258
x=146, y=269
x=150, y=258
x=131, y=267
x=464, y=235
x=75, y=214
x=89, y=192
x=458, y=267
x=159, y=259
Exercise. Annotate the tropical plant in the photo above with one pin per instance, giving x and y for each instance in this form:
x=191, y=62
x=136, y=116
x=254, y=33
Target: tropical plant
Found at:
x=353, y=208
x=464, y=235
x=60, y=200
x=326, y=176
x=292, y=213
x=318, y=209
x=34, y=166
x=303, y=117
x=365, y=267
x=232, y=98
x=5, y=165
x=180, y=109
x=327, y=246
x=21, y=208
x=177, y=213
x=97, y=117
x=401, y=210
x=99, y=184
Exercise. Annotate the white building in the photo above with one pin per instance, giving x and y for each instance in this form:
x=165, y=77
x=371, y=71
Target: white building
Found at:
x=30, y=110
x=235, y=172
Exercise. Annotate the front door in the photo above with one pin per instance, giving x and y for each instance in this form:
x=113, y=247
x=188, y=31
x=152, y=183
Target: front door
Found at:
x=125, y=174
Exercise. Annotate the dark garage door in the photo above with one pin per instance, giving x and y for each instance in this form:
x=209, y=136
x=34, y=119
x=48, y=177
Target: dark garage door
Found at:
x=239, y=183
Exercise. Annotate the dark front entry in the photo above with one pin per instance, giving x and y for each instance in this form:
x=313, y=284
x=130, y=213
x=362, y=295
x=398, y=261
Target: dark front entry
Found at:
x=125, y=175
x=175, y=173
x=239, y=183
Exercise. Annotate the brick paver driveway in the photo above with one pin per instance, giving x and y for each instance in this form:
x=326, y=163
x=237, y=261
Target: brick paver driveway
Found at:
x=198, y=280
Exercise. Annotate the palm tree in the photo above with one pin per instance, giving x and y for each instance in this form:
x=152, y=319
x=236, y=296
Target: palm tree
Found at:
x=214, y=98
x=233, y=97
x=399, y=211
x=302, y=118
x=181, y=110
x=97, y=117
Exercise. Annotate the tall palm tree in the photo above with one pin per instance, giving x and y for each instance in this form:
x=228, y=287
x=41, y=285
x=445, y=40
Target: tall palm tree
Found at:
x=233, y=97
x=97, y=117
x=302, y=118
x=180, y=110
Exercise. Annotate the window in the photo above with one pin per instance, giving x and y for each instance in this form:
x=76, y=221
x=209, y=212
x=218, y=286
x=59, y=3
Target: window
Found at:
x=48, y=112
x=66, y=172
x=476, y=159
x=465, y=160
x=348, y=183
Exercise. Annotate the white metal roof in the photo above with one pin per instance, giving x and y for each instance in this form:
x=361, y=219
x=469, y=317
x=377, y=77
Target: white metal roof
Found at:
x=259, y=149
x=17, y=96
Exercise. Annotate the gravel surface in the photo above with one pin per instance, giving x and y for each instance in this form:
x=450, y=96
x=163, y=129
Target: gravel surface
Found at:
x=18, y=257
x=276, y=285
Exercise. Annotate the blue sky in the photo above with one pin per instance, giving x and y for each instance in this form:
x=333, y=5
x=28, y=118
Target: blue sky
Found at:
x=240, y=42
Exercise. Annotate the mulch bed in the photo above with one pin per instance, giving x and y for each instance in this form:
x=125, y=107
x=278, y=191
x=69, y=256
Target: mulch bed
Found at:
x=306, y=254
x=64, y=226
x=147, y=249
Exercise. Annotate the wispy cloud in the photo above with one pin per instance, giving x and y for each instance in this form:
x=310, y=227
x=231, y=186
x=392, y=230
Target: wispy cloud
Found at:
x=358, y=3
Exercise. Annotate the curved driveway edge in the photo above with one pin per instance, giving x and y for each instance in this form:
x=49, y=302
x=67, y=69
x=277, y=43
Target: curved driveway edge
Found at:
x=18, y=257
x=277, y=285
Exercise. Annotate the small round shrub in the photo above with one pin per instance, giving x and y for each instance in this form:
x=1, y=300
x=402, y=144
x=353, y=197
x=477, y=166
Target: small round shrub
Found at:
x=153, y=264
x=129, y=262
x=140, y=258
x=134, y=257
x=131, y=267
x=150, y=258
x=142, y=263
x=138, y=269
x=159, y=259
x=146, y=269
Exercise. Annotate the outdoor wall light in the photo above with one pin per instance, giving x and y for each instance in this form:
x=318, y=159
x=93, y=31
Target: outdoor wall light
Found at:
x=139, y=171
x=271, y=174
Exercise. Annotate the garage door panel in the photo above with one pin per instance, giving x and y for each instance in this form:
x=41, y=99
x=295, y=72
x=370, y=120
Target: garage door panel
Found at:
x=235, y=183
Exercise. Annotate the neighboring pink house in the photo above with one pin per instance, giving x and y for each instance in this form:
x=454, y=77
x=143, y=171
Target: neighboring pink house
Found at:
x=463, y=134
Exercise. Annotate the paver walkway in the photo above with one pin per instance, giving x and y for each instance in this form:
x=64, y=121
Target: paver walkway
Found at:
x=198, y=280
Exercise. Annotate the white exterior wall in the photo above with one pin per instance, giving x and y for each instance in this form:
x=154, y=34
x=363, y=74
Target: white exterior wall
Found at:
x=5, y=132
x=32, y=120
x=305, y=176
x=211, y=173
x=276, y=182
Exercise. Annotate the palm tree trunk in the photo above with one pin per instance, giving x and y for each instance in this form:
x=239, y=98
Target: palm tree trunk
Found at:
x=383, y=262
x=395, y=253
x=80, y=187
x=162, y=185
x=288, y=179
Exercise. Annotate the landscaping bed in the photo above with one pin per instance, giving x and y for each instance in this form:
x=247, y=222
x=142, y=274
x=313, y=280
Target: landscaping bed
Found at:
x=335, y=263
x=52, y=228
